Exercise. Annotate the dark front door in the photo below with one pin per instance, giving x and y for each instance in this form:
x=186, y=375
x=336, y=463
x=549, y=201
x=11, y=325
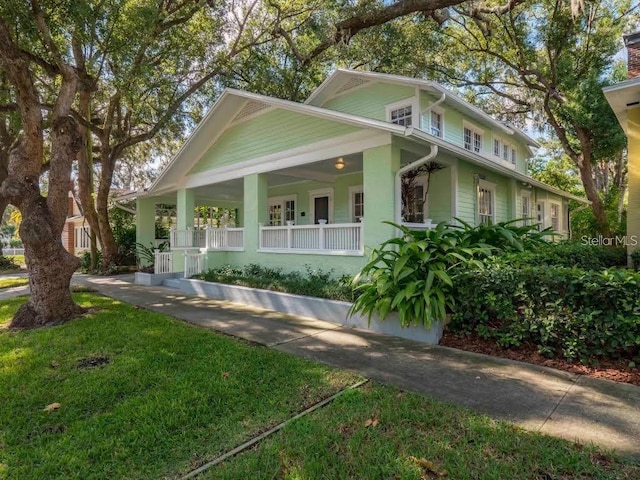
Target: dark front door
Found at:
x=321, y=209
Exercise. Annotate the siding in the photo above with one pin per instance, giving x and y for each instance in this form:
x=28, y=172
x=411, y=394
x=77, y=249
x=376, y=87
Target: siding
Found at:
x=271, y=132
x=467, y=193
x=453, y=131
x=370, y=101
x=439, y=202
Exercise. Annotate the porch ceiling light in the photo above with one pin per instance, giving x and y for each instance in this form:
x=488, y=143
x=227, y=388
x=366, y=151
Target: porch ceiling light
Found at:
x=339, y=164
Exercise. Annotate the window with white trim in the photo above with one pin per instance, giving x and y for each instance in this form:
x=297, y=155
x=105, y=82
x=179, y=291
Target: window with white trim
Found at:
x=504, y=151
x=486, y=202
x=401, y=115
x=82, y=238
x=472, y=138
x=282, y=210
x=436, y=122
x=540, y=215
x=554, y=213
x=526, y=209
x=356, y=197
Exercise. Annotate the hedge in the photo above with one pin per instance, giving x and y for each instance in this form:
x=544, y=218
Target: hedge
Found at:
x=569, y=254
x=570, y=312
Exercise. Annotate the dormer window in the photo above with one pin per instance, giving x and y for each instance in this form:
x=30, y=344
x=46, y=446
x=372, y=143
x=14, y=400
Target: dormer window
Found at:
x=437, y=125
x=401, y=116
x=472, y=138
x=504, y=151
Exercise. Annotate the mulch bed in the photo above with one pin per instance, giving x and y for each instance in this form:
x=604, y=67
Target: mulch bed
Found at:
x=615, y=370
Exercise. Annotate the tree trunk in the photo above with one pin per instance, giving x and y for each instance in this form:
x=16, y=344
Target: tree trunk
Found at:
x=586, y=175
x=110, y=252
x=50, y=269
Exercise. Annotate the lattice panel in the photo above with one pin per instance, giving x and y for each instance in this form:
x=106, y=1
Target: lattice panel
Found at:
x=250, y=108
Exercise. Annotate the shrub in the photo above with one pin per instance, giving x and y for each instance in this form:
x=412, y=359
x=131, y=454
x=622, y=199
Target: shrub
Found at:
x=503, y=236
x=314, y=283
x=568, y=254
x=570, y=312
x=410, y=274
x=635, y=259
x=8, y=263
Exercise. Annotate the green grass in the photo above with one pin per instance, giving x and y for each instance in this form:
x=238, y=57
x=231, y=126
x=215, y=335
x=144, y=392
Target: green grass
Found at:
x=336, y=442
x=18, y=259
x=10, y=282
x=171, y=395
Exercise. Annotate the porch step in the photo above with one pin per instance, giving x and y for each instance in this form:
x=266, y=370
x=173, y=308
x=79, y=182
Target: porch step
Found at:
x=171, y=283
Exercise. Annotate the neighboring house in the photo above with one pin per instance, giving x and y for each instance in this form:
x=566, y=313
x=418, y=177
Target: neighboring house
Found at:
x=76, y=234
x=624, y=99
x=312, y=183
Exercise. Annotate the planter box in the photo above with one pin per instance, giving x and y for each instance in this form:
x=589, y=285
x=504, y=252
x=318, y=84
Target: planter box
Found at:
x=318, y=308
x=153, y=279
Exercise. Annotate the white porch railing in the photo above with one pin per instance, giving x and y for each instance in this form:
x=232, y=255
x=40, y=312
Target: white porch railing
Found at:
x=335, y=238
x=193, y=264
x=163, y=262
x=224, y=238
x=187, y=238
x=419, y=226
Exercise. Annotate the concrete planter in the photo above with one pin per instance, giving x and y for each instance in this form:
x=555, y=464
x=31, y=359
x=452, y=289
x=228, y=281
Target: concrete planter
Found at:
x=152, y=279
x=318, y=308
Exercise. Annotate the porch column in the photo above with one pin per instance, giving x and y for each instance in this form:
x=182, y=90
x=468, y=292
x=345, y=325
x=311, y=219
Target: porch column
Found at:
x=379, y=165
x=633, y=211
x=254, y=208
x=184, y=209
x=145, y=221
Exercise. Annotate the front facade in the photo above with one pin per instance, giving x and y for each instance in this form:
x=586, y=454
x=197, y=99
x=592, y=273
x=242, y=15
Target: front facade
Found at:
x=313, y=183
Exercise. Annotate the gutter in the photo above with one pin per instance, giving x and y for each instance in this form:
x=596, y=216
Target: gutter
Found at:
x=402, y=171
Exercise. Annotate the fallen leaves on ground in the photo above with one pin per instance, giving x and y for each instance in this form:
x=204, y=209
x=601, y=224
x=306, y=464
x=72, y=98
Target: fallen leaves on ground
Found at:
x=51, y=407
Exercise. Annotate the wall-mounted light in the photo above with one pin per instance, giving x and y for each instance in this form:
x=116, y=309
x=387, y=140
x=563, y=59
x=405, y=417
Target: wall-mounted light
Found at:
x=339, y=164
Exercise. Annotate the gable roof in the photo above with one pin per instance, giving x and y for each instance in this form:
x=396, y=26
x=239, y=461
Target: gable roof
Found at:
x=237, y=104
x=341, y=78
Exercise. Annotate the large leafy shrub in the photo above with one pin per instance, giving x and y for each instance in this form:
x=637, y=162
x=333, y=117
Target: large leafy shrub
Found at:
x=410, y=274
x=564, y=311
x=502, y=237
x=568, y=254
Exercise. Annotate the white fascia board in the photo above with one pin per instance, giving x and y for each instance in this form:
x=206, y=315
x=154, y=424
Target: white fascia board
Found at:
x=423, y=85
x=333, y=147
x=622, y=97
x=491, y=165
x=323, y=113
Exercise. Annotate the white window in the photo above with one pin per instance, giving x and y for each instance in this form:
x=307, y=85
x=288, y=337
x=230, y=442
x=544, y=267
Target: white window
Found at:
x=356, y=197
x=486, y=202
x=282, y=210
x=402, y=116
x=436, y=121
x=554, y=210
x=82, y=238
x=526, y=209
x=504, y=151
x=472, y=138
x=540, y=215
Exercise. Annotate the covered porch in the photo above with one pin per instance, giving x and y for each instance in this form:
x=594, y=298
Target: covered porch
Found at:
x=324, y=213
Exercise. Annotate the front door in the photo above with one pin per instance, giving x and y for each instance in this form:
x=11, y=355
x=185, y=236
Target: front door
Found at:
x=321, y=209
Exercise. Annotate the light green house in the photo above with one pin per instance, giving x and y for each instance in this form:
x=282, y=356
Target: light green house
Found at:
x=312, y=183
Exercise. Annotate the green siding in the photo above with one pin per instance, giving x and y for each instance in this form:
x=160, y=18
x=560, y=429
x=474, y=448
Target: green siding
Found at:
x=271, y=132
x=453, y=131
x=370, y=101
x=439, y=201
x=467, y=193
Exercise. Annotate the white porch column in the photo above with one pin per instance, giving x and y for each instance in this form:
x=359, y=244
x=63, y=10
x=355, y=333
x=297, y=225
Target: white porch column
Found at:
x=185, y=206
x=379, y=165
x=633, y=211
x=145, y=221
x=255, y=208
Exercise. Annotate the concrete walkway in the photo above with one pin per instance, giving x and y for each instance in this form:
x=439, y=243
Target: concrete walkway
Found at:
x=550, y=401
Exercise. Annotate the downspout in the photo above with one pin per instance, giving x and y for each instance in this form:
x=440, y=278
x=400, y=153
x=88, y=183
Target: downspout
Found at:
x=434, y=104
x=402, y=171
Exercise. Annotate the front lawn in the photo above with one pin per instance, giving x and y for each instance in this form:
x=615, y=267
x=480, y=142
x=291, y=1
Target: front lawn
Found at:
x=140, y=395
x=10, y=282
